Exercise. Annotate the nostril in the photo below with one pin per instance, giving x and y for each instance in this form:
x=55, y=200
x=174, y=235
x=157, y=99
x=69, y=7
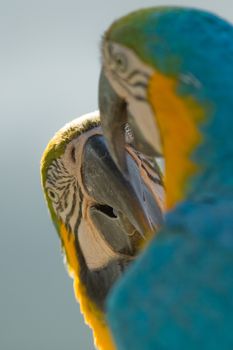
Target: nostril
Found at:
x=107, y=210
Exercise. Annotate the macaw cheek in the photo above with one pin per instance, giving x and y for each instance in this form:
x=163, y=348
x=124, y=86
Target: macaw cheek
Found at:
x=95, y=250
x=140, y=141
x=116, y=111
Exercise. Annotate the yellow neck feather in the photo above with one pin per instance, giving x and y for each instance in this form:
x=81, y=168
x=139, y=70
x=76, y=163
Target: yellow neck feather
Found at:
x=92, y=315
x=177, y=119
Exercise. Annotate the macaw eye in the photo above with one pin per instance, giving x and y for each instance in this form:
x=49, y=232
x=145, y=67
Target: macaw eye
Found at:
x=120, y=62
x=52, y=195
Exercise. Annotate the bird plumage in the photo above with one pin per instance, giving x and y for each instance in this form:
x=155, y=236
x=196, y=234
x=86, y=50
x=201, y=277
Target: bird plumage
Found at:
x=181, y=60
x=99, y=215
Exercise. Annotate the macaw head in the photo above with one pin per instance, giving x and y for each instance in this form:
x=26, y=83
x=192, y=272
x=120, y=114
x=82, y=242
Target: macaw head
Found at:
x=168, y=72
x=102, y=218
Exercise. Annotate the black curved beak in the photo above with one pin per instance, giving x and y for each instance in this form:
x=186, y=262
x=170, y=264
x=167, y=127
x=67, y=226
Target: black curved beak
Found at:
x=114, y=115
x=123, y=210
x=113, y=112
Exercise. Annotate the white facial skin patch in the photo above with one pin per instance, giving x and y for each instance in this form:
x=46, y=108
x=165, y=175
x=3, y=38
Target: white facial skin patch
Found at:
x=130, y=78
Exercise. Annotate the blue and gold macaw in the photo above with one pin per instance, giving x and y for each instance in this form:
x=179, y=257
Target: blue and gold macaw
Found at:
x=168, y=71
x=102, y=219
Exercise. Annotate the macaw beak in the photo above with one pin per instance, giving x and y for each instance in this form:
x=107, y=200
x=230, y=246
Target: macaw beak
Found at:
x=113, y=112
x=119, y=208
x=114, y=115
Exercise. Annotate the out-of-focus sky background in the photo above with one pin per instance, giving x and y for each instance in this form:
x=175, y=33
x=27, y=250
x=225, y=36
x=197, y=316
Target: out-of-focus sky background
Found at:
x=49, y=68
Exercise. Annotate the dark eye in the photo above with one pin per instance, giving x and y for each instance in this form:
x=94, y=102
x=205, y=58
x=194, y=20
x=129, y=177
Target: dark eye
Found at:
x=120, y=62
x=52, y=195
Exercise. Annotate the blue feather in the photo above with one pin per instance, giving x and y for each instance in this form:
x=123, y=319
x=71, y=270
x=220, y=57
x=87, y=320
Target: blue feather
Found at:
x=179, y=293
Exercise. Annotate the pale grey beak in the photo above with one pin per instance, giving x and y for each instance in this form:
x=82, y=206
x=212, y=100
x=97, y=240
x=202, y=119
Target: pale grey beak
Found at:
x=117, y=198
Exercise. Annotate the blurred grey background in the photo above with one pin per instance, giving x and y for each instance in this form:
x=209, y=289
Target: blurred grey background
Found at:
x=49, y=67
